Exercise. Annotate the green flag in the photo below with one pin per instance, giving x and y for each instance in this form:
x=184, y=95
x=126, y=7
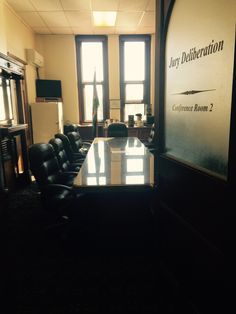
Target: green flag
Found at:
x=95, y=106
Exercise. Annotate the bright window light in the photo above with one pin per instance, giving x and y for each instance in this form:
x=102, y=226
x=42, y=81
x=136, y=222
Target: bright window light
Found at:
x=104, y=18
x=134, y=60
x=134, y=179
x=134, y=165
x=2, y=109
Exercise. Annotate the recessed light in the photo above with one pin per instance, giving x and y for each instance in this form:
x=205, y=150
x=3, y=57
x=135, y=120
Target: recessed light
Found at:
x=104, y=18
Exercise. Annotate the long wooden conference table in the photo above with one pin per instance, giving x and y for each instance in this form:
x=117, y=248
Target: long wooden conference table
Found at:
x=116, y=164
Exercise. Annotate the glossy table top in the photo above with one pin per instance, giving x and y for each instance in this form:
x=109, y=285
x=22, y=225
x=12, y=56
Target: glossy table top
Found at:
x=121, y=162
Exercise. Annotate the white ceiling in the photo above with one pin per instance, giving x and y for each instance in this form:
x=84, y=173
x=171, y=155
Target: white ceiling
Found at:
x=75, y=16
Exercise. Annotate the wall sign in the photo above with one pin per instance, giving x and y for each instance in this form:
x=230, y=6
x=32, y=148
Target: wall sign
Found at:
x=198, y=83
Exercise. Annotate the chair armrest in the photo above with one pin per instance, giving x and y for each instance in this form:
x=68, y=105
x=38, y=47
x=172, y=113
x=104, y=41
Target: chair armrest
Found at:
x=150, y=145
x=88, y=144
x=79, y=155
x=75, y=167
x=57, y=187
x=66, y=173
x=51, y=190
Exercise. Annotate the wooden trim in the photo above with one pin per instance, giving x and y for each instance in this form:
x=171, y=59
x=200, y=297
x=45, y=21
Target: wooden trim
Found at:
x=163, y=9
x=146, y=82
x=232, y=138
x=92, y=38
x=15, y=58
x=15, y=67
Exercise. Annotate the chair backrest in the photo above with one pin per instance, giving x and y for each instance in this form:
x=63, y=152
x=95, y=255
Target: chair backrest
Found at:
x=152, y=134
x=75, y=141
x=61, y=154
x=43, y=163
x=117, y=129
x=66, y=145
x=70, y=128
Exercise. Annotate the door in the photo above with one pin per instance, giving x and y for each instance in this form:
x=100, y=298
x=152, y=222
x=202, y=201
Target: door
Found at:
x=194, y=176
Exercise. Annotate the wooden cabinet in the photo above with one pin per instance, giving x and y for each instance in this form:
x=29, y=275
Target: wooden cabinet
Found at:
x=141, y=133
x=14, y=164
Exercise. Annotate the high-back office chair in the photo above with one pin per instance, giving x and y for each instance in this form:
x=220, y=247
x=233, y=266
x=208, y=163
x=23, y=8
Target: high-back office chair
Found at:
x=73, y=157
x=150, y=141
x=62, y=157
x=77, y=143
x=75, y=128
x=117, y=129
x=55, y=185
x=72, y=127
x=68, y=128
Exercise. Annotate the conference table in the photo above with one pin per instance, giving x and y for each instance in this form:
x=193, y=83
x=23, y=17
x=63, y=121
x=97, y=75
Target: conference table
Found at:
x=116, y=164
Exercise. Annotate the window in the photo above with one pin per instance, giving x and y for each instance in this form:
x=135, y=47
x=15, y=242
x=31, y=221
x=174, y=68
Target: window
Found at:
x=134, y=74
x=5, y=100
x=92, y=56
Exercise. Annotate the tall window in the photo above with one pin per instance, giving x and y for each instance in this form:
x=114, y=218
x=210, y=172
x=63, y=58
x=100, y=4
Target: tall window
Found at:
x=92, y=56
x=134, y=74
x=5, y=100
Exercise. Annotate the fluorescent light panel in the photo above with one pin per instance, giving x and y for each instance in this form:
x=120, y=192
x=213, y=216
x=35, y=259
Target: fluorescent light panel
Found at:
x=104, y=18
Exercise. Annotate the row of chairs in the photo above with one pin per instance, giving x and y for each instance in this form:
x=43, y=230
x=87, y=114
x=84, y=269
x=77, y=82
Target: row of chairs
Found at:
x=55, y=165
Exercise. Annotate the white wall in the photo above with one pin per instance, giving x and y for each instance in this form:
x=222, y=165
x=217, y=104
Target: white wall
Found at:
x=3, y=42
x=114, y=75
x=60, y=64
x=15, y=37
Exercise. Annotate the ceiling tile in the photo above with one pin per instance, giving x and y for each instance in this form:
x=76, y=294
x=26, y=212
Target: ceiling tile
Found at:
x=54, y=19
x=104, y=30
x=148, y=19
x=134, y=16
x=77, y=18
x=145, y=30
x=32, y=18
x=133, y=5
x=23, y=5
x=80, y=5
x=105, y=5
x=125, y=30
x=61, y=30
x=47, y=5
x=82, y=30
x=42, y=30
x=151, y=6
x=128, y=18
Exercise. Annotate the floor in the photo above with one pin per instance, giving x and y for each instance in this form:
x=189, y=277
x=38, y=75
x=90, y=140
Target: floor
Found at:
x=64, y=267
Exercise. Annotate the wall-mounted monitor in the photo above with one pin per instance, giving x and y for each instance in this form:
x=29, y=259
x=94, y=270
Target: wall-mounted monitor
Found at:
x=48, y=89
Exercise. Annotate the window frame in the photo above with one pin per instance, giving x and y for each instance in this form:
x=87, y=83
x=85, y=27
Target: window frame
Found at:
x=7, y=104
x=146, y=96
x=79, y=39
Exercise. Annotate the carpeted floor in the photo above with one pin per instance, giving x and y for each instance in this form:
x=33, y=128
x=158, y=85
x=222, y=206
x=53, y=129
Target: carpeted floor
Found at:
x=62, y=269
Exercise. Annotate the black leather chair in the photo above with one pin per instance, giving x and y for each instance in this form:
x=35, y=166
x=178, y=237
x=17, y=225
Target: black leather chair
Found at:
x=70, y=127
x=72, y=156
x=150, y=141
x=55, y=186
x=62, y=157
x=117, y=129
x=75, y=128
x=77, y=143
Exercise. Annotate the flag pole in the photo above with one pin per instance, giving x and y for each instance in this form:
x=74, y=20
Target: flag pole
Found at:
x=95, y=106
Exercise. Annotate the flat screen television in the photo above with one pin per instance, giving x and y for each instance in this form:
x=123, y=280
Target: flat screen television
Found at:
x=48, y=89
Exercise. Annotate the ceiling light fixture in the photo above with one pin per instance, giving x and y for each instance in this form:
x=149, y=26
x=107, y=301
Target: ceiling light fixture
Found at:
x=104, y=18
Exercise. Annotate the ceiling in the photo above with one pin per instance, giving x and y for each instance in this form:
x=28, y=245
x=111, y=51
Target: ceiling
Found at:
x=75, y=16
